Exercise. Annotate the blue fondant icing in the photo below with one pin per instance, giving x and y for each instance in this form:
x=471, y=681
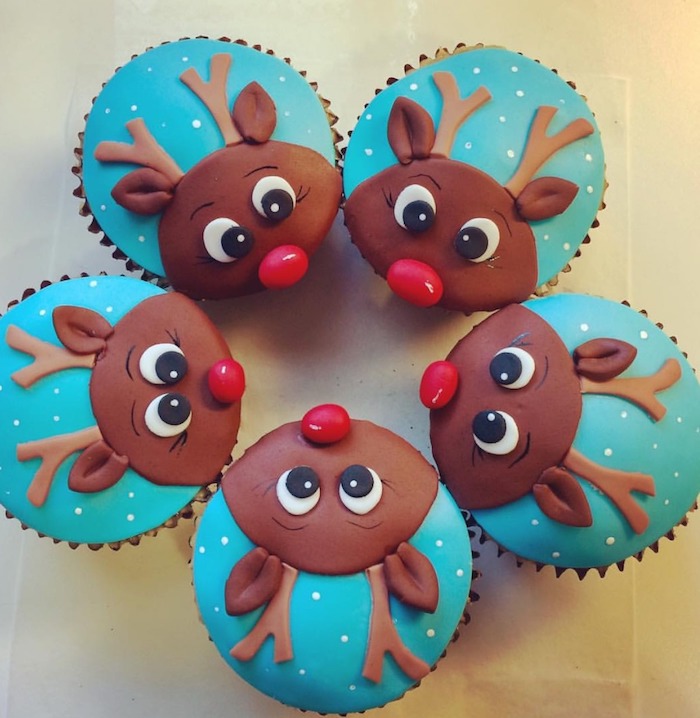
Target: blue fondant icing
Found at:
x=615, y=433
x=149, y=87
x=493, y=138
x=60, y=404
x=329, y=615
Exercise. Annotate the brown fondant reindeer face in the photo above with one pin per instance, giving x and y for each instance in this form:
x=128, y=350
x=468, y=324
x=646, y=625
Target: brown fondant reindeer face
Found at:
x=507, y=405
x=444, y=232
x=164, y=392
x=245, y=217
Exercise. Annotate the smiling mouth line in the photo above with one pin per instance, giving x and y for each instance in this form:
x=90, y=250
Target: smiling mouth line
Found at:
x=363, y=526
x=289, y=528
x=524, y=452
x=133, y=422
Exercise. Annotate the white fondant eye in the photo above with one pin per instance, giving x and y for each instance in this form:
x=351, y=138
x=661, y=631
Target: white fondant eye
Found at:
x=360, y=488
x=226, y=241
x=512, y=368
x=477, y=239
x=495, y=432
x=163, y=364
x=274, y=198
x=298, y=490
x=414, y=208
x=168, y=415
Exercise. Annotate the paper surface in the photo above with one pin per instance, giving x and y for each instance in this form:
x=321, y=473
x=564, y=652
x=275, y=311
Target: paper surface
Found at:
x=105, y=633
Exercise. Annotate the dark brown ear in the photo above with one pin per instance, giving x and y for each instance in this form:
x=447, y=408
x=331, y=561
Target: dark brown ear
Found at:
x=410, y=131
x=561, y=497
x=254, y=114
x=253, y=581
x=144, y=191
x=545, y=197
x=97, y=468
x=411, y=578
x=81, y=330
x=603, y=359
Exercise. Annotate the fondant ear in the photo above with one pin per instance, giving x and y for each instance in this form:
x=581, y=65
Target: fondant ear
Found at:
x=144, y=191
x=603, y=359
x=410, y=131
x=97, y=468
x=254, y=114
x=411, y=578
x=81, y=330
x=253, y=581
x=545, y=197
x=439, y=384
x=561, y=497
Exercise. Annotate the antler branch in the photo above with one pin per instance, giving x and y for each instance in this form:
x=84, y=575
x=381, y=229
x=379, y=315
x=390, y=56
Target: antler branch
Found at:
x=145, y=151
x=540, y=147
x=52, y=451
x=454, y=110
x=213, y=95
x=48, y=358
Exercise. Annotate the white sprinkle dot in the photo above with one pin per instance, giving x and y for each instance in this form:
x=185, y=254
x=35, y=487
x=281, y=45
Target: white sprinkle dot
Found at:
x=430, y=633
x=0, y=387
x=566, y=246
x=608, y=452
x=287, y=113
x=352, y=687
x=510, y=154
x=344, y=639
x=369, y=152
x=216, y=609
x=368, y=116
x=460, y=572
x=519, y=93
x=546, y=237
x=556, y=554
x=675, y=474
x=643, y=334
x=93, y=283
x=109, y=310
x=130, y=517
x=185, y=59
x=56, y=391
x=467, y=145
x=77, y=511
x=476, y=70
x=535, y=522
x=283, y=78
x=589, y=189
x=302, y=671
x=316, y=596
x=624, y=414
x=107, y=110
x=42, y=312
x=202, y=549
x=196, y=124
x=141, y=238
x=439, y=543
x=149, y=69
x=103, y=207
x=16, y=422
x=134, y=108
x=224, y=540
x=413, y=86
x=679, y=419
x=666, y=502
x=584, y=327
x=502, y=119
x=588, y=157
x=57, y=418
x=654, y=446
x=610, y=540
x=130, y=494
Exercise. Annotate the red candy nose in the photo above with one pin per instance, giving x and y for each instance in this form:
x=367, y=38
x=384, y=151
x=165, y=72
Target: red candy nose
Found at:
x=227, y=381
x=325, y=424
x=439, y=384
x=283, y=266
x=415, y=281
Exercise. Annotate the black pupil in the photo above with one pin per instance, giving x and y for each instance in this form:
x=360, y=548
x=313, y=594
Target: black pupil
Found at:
x=171, y=366
x=357, y=481
x=489, y=427
x=418, y=216
x=277, y=204
x=237, y=242
x=505, y=368
x=302, y=482
x=174, y=409
x=471, y=242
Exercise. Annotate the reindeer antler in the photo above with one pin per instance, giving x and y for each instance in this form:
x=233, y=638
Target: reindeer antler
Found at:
x=145, y=151
x=454, y=110
x=213, y=95
x=540, y=147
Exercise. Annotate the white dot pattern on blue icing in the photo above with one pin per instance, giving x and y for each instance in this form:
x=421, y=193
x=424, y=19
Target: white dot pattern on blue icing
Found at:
x=150, y=83
x=325, y=674
x=496, y=147
x=30, y=414
x=661, y=449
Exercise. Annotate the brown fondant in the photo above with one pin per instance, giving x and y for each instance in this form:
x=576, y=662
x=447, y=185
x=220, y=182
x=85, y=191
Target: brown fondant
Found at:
x=274, y=622
x=96, y=469
x=48, y=358
x=383, y=636
x=545, y=197
x=411, y=578
x=603, y=359
x=254, y=114
x=253, y=581
x=144, y=191
x=561, y=497
x=410, y=131
x=81, y=330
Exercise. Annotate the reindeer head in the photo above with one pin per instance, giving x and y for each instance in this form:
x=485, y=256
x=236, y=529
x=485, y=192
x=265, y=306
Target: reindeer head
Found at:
x=506, y=406
x=246, y=216
x=444, y=232
x=163, y=388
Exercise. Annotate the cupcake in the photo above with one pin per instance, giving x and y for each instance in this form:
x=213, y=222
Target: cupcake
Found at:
x=473, y=180
x=331, y=570
x=211, y=165
x=120, y=403
x=569, y=426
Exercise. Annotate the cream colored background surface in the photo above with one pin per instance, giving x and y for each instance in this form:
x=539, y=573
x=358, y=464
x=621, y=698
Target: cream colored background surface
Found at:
x=106, y=634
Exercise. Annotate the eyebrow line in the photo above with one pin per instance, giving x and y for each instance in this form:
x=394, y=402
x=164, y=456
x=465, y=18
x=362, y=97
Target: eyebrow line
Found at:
x=432, y=179
x=201, y=206
x=260, y=169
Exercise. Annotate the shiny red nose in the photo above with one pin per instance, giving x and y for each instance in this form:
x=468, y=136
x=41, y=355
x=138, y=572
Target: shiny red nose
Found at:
x=227, y=381
x=325, y=424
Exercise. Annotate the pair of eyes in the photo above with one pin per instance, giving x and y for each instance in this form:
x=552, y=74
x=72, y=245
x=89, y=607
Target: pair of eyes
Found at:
x=494, y=431
x=415, y=210
x=226, y=241
x=299, y=489
x=169, y=414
